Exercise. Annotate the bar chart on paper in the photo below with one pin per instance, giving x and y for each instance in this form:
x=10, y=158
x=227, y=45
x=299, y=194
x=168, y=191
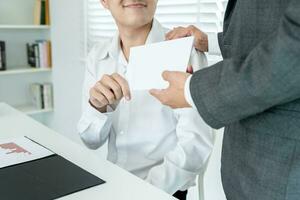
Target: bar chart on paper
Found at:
x=11, y=148
x=20, y=150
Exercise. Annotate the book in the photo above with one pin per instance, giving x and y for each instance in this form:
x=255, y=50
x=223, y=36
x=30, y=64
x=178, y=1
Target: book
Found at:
x=42, y=95
x=30, y=55
x=43, y=12
x=37, y=12
x=47, y=13
x=2, y=56
x=1, y=65
x=37, y=95
x=47, y=96
x=39, y=54
x=49, y=55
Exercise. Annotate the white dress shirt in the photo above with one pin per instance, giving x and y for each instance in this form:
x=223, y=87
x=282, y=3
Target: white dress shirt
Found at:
x=165, y=147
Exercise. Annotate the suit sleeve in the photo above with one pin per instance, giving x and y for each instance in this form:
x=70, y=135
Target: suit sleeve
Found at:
x=235, y=89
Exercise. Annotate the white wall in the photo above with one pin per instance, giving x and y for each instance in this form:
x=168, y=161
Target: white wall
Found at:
x=66, y=26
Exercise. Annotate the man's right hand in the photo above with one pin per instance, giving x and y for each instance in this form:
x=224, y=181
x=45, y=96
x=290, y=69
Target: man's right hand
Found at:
x=201, y=38
x=108, y=90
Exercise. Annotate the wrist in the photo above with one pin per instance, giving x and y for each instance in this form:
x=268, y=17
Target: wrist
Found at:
x=201, y=40
x=101, y=109
x=187, y=93
x=204, y=42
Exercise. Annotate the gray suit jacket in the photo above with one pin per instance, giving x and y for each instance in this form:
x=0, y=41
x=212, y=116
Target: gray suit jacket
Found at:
x=255, y=94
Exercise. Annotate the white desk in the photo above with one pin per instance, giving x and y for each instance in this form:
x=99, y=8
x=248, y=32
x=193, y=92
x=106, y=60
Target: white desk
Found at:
x=120, y=185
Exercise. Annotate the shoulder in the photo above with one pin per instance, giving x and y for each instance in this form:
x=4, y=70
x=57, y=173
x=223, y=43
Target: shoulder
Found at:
x=98, y=53
x=100, y=49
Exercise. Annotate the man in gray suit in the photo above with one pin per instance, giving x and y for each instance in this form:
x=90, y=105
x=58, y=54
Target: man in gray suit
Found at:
x=255, y=93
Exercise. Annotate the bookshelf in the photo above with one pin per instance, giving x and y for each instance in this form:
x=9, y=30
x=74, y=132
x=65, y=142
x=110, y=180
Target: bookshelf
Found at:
x=24, y=27
x=17, y=28
x=31, y=110
x=24, y=70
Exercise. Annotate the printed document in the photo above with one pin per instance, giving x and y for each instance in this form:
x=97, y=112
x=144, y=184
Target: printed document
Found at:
x=19, y=150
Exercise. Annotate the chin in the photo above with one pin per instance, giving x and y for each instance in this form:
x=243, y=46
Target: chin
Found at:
x=138, y=22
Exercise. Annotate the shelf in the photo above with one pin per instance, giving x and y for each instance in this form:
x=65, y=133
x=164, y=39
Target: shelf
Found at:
x=24, y=27
x=32, y=110
x=24, y=71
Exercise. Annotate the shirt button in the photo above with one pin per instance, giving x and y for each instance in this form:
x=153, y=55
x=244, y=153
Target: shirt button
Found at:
x=121, y=132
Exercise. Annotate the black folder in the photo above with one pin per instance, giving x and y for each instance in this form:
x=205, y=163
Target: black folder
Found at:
x=47, y=178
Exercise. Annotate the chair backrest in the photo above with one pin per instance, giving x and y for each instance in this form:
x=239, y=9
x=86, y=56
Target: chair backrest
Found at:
x=209, y=182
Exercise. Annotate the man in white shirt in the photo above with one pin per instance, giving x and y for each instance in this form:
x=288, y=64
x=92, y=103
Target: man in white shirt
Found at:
x=165, y=147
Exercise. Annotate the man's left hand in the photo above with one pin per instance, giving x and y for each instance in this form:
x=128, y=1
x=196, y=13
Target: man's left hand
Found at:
x=173, y=96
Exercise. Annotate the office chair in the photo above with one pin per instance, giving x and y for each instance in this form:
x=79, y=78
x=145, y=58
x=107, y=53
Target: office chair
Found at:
x=211, y=175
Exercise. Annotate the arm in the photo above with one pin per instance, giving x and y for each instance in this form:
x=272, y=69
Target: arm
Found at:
x=188, y=158
x=233, y=90
x=93, y=126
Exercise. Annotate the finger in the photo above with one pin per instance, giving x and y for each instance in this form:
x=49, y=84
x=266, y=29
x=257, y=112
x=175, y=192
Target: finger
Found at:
x=95, y=103
x=156, y=93
x=97, y=98
x=173, y=32
x=192, y=29
x=181, y=34
x=159, y=95
x=106, y=92
x=124, y=85
x=190, y=69
x=168, y=34
x=114, y=87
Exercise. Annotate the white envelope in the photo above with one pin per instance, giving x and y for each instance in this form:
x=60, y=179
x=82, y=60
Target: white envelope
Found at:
x=146, y=63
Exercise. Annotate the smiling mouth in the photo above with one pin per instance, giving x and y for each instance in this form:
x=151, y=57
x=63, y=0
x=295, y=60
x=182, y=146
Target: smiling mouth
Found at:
x=135, y=5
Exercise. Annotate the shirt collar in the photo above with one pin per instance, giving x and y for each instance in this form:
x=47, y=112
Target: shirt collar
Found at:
x=156, y=34
x=115, y=46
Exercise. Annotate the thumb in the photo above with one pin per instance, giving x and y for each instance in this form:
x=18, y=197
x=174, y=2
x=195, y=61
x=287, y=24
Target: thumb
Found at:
x=167, y=75
x=160, y=95
x=157, y=94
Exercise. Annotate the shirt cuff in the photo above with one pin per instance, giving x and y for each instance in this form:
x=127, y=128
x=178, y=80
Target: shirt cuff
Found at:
x=94, y=113
x=213, y=44
x=187, y=93
x=94, y=127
